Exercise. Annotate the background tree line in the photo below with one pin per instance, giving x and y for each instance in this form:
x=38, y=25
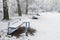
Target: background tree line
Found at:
x=27, y=6
x=19, y=8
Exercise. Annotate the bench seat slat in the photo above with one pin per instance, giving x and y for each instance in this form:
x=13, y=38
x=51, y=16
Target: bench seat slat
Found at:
x=16, y=24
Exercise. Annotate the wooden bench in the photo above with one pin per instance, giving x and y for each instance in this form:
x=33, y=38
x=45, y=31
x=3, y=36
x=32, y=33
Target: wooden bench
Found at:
x=14, y=25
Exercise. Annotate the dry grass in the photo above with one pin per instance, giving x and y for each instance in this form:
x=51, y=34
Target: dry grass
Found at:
x=22, y=30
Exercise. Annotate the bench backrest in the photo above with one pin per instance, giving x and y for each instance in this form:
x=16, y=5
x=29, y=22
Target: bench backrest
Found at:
x=15, y=22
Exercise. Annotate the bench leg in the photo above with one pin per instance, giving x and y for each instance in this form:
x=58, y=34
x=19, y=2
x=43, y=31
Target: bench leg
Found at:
x=27, y=27
x=10, y=30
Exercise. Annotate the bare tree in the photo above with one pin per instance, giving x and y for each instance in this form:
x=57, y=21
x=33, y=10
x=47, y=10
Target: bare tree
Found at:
x=26, y=7
x=19, y=8
x=5, y=10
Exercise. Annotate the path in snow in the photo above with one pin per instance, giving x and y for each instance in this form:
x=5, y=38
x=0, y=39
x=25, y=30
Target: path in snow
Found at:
x=48, y=27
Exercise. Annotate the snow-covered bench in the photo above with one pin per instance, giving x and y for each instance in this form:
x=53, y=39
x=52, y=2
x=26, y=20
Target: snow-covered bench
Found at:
x=14, y=25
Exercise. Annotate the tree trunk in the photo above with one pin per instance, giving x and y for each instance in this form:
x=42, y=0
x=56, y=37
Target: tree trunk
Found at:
x=5, y=10
x=19, y=9
x=26, y=7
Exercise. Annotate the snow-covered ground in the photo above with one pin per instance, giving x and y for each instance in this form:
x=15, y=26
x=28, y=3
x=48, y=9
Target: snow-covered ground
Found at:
x=47, y=27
